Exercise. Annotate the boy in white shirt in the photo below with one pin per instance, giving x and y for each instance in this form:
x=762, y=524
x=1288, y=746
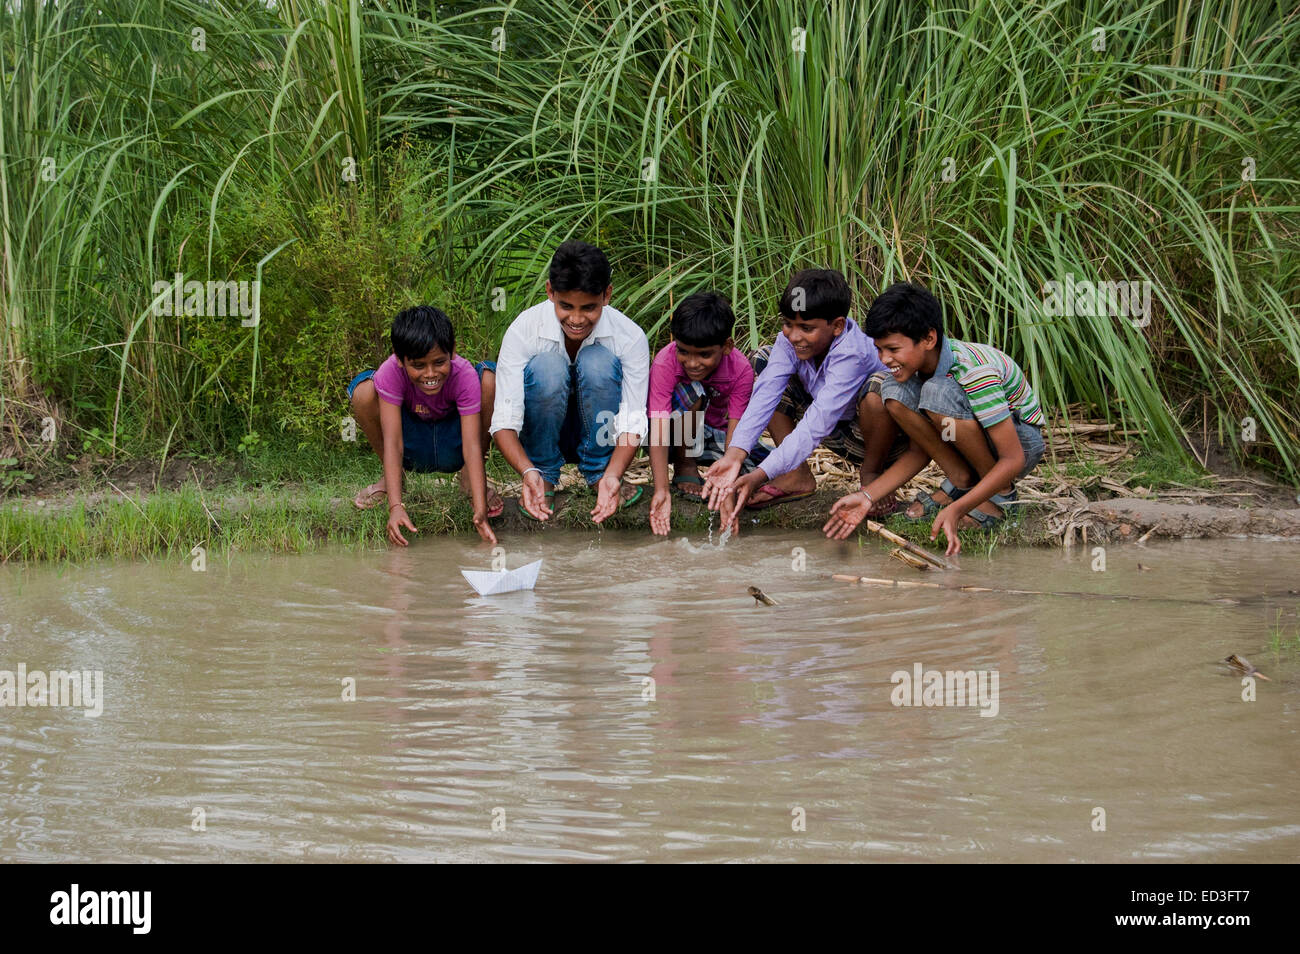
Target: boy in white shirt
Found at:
x=571, y=384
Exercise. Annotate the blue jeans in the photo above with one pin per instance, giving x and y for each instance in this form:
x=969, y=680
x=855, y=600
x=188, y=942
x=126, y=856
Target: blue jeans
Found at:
x=569, y=411
x=429, y=446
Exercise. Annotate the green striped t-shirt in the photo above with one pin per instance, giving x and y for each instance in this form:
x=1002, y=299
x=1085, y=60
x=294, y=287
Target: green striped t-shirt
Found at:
x=994, y=383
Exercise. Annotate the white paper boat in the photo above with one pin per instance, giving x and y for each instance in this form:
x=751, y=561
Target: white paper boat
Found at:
x=492, y=582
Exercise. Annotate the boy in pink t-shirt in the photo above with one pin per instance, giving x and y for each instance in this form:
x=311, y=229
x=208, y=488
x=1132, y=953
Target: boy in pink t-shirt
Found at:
x=699, y=388
x=425, y=409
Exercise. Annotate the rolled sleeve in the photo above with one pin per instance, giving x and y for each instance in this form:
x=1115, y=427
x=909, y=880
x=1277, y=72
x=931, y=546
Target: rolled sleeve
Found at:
x=508, y=411
x=766, y=395
x=843, y=377
x=635, y=361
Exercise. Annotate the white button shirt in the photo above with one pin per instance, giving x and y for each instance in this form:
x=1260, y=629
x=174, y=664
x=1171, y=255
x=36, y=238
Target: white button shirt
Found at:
x=537, y=330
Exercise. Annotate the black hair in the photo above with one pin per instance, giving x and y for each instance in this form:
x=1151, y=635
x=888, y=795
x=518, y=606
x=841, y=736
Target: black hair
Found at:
x=703, y=320
x=577, y=266
x=824, y=292
x=905, y=309
x=416, y=330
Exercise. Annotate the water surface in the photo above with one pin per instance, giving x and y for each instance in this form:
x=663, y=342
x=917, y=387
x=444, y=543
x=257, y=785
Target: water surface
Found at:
x=223, y=692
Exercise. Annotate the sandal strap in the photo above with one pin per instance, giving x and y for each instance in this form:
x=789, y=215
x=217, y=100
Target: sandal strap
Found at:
x=953, y=492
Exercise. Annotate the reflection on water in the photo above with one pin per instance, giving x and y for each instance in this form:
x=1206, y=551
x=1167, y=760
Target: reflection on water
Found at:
x=640, y=706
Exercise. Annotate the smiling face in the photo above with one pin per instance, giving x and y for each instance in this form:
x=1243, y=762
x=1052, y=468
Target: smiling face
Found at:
x=578, y=311
x=428, y=373
x=699, y=363
x=811, y=338
x=905, y=357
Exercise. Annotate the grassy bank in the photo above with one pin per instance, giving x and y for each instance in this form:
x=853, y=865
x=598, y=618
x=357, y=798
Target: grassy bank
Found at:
x=352, y=158
x=276, y=497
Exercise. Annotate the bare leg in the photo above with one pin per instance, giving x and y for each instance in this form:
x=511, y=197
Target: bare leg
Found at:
x=973, y=446
x=365, y=410
x=800, y=480
x=878, y=433
x=487, y=402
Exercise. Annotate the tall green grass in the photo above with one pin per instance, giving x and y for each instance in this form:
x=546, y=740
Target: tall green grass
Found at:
x=699, y=143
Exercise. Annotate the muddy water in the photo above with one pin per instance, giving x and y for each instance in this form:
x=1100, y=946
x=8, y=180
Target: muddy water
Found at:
x=223, y=693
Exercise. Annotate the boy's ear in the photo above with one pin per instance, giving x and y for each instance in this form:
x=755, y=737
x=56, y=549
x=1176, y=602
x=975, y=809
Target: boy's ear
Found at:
x=728, y=345
x=837, y=326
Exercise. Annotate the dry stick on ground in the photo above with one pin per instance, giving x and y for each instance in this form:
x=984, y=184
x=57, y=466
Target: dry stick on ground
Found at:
x=931, y=558
x=903, y=584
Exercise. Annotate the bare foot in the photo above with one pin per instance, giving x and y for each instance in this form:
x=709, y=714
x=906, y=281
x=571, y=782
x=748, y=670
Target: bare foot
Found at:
x=367, y=498
x=495, y=505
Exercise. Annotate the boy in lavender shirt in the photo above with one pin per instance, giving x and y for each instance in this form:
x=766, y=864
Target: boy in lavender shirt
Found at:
x=818, y=383
x=423, y=410
x=699, y=389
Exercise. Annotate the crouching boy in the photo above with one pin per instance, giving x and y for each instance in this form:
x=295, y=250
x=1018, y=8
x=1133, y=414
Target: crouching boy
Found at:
x=699, y=388
x=966, y=406
x=423, y=410
x=571, y=386
x=818, y=383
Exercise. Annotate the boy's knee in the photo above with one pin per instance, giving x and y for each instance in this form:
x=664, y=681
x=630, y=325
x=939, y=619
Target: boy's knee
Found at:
x=547, y=371
x=598, y=363
x=364, y=395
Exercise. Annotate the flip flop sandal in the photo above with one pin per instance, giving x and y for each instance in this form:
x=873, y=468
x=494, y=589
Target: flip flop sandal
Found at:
x=550, y=502
x=637, y=494
x=930, y=506
x=884, y=507
x=776, y=496
x=369, y=500
x=987, y=521
x=691, y=480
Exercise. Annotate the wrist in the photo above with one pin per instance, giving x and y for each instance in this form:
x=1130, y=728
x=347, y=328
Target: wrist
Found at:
x=392, y=507
x=863, y=491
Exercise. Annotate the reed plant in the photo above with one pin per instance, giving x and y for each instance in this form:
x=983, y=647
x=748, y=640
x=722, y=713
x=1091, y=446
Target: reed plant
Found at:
x=983, y=149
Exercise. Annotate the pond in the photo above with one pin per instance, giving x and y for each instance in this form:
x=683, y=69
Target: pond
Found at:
x=640, y=706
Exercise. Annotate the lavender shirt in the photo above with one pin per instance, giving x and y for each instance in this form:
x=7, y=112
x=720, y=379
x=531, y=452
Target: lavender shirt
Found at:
x=834, y=385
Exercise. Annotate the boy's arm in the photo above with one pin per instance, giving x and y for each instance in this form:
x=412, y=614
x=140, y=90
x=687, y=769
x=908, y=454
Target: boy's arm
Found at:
x=1011, y=460
x=661, y=502
x=508, y=411
x=851, y=509
x=471, y=445
x=843, y=377
x=390, y=423
x=635, y=361
x=766, y=395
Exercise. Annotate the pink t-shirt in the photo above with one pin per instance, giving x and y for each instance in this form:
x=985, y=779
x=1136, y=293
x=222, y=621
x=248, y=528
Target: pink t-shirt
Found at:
x=460, y=390
x=729, y=385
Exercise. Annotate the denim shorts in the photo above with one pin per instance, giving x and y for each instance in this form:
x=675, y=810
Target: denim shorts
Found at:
x=945, y=397
x=429, y=446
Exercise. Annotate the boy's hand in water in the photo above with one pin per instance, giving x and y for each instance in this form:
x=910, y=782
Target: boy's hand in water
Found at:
x=730, y=515
x=483, y=527
x=607, y=494
x=846, y=513
x=947, y=520
x=397, y=518
x=720, y=482
x=661, y=506
x=533, y=497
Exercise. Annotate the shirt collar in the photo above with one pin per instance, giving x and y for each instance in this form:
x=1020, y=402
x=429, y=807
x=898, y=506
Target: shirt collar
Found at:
x=551, y=330
x=945, y=359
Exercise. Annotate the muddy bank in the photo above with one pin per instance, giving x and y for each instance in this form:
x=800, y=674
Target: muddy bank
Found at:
x=1040, y=523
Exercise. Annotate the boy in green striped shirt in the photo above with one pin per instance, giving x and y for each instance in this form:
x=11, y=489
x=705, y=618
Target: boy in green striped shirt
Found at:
x=966, y=406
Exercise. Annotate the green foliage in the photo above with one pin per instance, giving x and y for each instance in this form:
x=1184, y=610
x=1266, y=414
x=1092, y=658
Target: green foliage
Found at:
x=358, y=157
